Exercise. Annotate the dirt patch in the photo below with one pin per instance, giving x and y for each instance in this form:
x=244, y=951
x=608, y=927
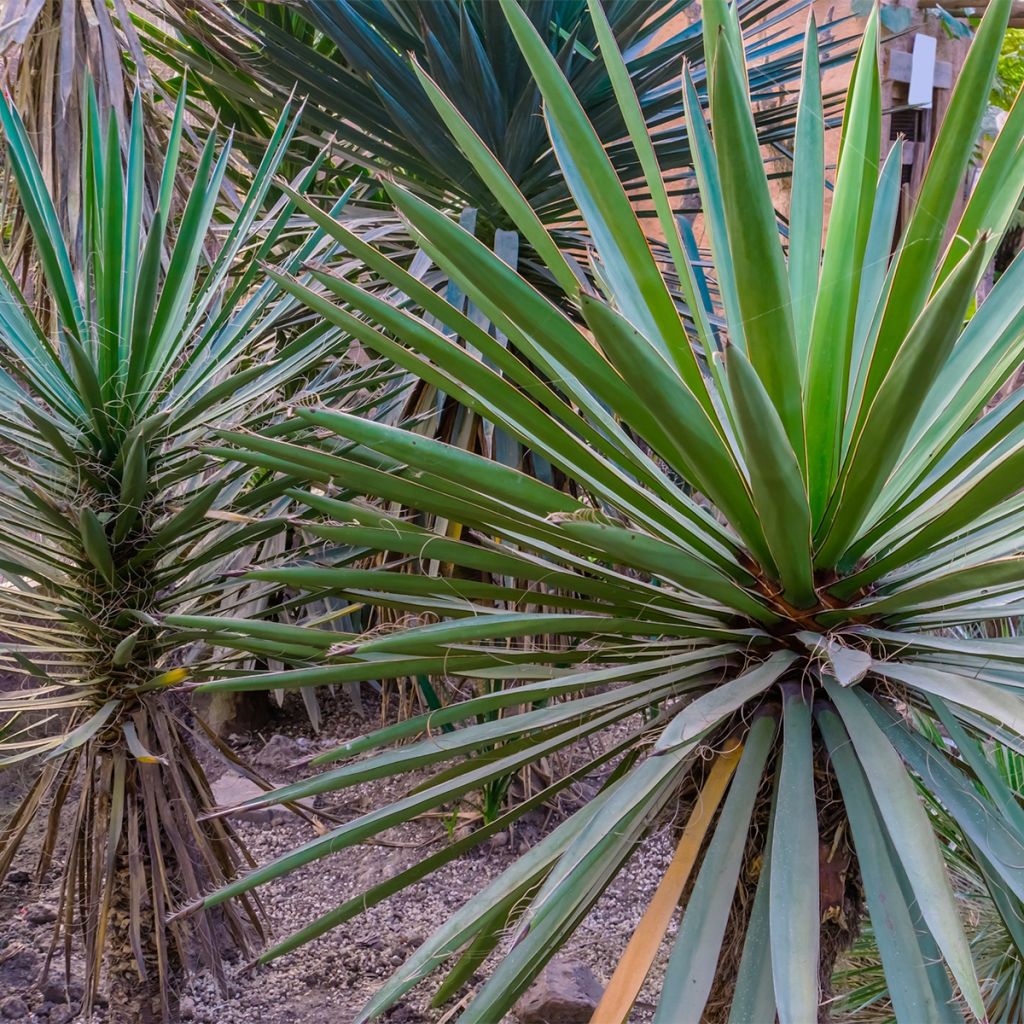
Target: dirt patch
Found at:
x=332, y=977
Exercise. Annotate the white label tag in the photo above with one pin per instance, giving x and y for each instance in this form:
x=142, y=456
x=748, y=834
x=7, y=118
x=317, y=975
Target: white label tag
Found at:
x=922, y=72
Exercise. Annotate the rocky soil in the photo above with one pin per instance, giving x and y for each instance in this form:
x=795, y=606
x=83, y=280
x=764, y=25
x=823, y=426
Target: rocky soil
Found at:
x=331, y=978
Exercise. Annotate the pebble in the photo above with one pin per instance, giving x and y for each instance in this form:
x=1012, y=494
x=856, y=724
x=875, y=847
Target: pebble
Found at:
x=40, y=913
x=57, y=990
x=232, y=789
x=565, y=992
x=14, y=1008
x=281, y=752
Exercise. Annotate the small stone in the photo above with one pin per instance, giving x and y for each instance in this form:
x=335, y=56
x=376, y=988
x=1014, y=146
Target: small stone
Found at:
x=20, y=965
x=57, y=990
x=40, y=913
x=14, y=1008
x=281, y=752
x=498, y=840
x=53, y=992
x=232, y=789
x=187, y=1008
x=403, y=1013
x=565, y=992
x=60, y=1015
x=19, y=877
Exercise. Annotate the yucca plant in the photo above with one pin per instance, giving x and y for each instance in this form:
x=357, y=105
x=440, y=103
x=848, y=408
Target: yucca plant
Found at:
x=111, y=516
x=354, y=60
x=775, y=518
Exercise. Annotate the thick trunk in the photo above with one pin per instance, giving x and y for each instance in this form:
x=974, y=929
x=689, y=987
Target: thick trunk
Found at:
x=136, y=996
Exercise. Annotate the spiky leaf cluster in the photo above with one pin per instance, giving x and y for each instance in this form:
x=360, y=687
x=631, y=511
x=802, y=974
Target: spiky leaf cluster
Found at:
x=792, y=519
x=112, y=515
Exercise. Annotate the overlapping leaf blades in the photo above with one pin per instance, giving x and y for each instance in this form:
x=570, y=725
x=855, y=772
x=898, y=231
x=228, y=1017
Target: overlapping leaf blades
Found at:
x=364, y=65
x=354, y=61
x=775, y=528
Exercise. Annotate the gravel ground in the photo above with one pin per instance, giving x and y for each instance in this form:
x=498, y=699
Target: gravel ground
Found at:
x=332, y=977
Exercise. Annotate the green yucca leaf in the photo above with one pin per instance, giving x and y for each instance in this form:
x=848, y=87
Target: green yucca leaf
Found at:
x=832, y=320
x=999, y=843
x=701, y=453
x=915, y=274
x=910, y=989
x=794, y=913
x=692, y=966
x=806, y=213
x=907, y=824
x=873, y=276
x=627, y=263
x=776, y=482
x=86, y=731
x=823, y=529
x=633, y=115
x=498, y=181
x=42, y=218
x=765, y=311
x=754, y=998
x=96, y=545
x=890, y=418
x=705, y=166
x=709, y=709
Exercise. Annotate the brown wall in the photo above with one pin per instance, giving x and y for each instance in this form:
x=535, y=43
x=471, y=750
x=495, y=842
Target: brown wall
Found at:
x=836, y=80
